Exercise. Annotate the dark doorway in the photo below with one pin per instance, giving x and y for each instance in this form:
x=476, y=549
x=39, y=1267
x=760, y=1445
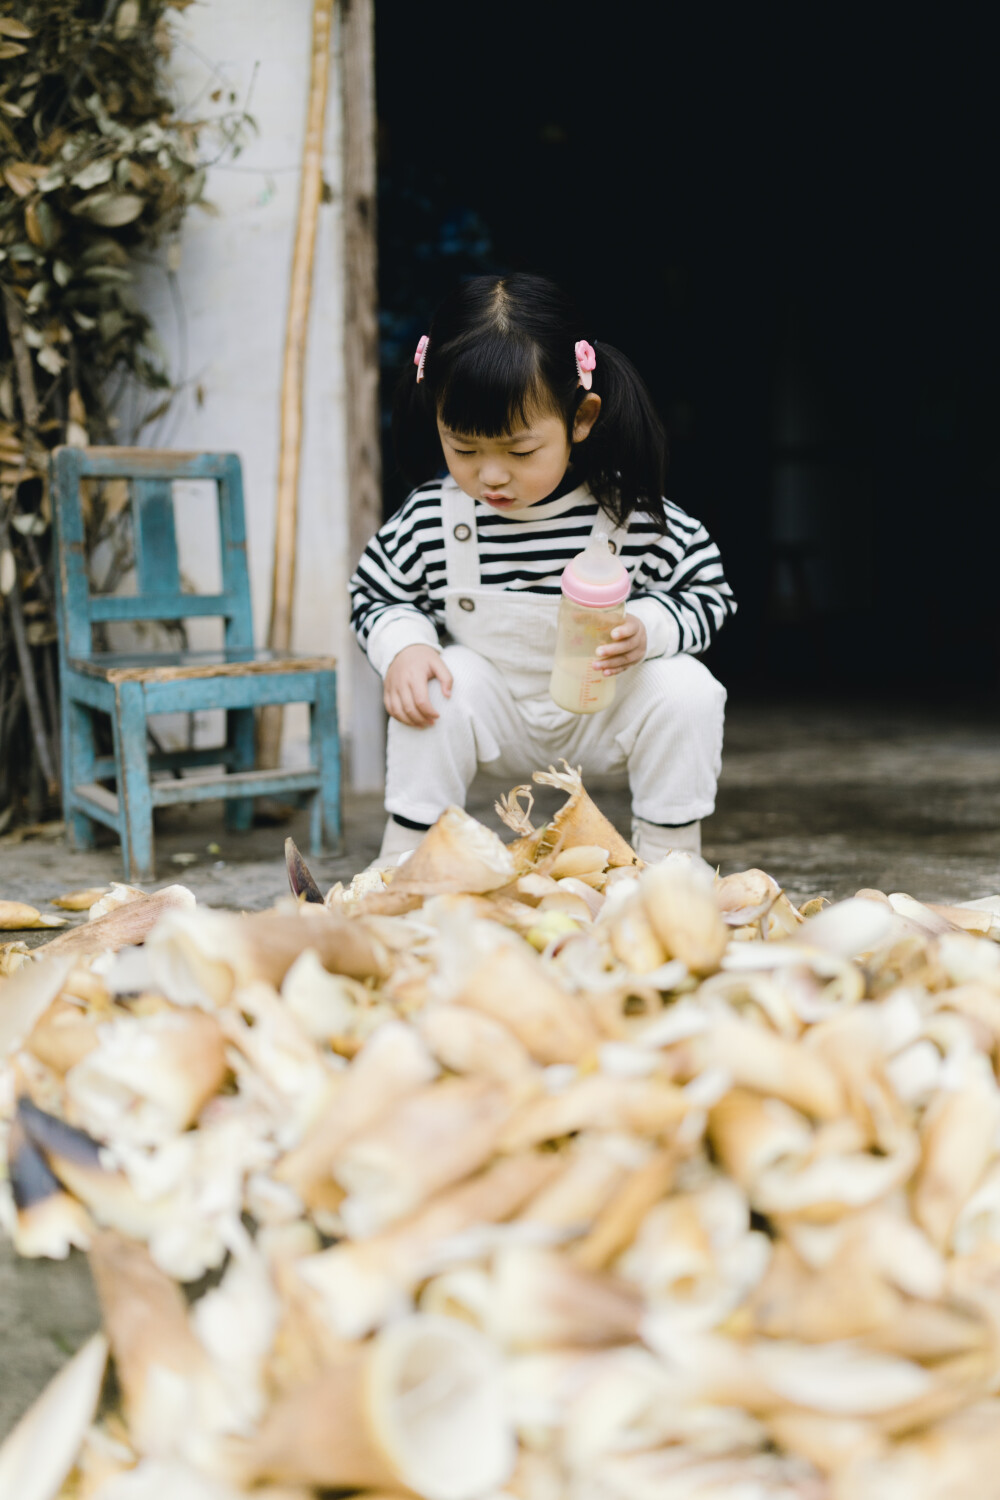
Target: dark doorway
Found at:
x=788, y=224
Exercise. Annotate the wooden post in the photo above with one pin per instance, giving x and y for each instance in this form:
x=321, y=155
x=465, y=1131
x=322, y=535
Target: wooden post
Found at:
x=364, y=476
x=279, y=635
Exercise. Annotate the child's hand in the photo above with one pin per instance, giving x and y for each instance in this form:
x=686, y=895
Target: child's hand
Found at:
x=405, y=688
x=629, y=647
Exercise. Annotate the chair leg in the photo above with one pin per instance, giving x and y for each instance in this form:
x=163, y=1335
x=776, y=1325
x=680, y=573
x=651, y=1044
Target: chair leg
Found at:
x=240, y=740
x=78, y=755
x=325, y=737
x=135, y=805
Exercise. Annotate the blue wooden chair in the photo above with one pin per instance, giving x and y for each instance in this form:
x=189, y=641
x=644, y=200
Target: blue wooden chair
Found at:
x=131, y=687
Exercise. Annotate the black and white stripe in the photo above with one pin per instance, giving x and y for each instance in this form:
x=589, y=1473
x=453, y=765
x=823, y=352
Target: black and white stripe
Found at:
x=404, y=563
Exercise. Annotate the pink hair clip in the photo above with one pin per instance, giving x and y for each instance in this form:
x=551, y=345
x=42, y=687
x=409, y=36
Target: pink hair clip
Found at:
x=586, y=361
x=420, y=355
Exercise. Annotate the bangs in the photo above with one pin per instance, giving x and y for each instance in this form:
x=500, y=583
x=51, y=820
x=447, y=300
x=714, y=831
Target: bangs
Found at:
x=492, y=386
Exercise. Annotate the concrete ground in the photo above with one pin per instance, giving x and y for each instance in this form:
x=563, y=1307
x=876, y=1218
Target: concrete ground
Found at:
x=826, y=798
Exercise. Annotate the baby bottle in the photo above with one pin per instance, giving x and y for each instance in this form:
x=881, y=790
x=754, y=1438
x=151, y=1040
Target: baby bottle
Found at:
x=595, y=586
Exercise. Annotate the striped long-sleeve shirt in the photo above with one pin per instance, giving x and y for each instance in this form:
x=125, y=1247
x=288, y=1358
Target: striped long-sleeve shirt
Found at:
x=679, y=590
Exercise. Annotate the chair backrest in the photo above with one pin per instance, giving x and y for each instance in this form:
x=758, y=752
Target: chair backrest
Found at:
x=150, y=474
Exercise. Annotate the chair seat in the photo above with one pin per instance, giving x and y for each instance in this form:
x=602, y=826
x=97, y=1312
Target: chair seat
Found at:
x=177, y=666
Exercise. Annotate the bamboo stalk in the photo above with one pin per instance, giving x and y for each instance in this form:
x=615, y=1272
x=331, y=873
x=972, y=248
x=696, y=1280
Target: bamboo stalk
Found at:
x=22, y=362
x=279, y=636
x=44, y=581
x=32, y=697
x=29, y=406
x=4, y=759
x=52, y=701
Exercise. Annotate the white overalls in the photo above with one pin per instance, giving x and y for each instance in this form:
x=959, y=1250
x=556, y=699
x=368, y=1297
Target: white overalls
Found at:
x=664, y=726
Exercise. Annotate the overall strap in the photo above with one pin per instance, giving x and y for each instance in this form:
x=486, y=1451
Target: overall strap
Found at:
x=461, y=545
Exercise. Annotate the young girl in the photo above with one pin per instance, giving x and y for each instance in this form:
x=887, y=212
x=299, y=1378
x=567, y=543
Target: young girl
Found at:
x=546, y=438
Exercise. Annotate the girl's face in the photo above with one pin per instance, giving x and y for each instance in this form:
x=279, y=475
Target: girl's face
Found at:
x=520, y=468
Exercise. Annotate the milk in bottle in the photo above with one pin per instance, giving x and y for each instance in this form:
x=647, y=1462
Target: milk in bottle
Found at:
x=595, y=586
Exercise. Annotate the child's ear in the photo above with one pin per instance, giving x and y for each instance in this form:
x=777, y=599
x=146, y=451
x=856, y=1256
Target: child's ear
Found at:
x=587, y=414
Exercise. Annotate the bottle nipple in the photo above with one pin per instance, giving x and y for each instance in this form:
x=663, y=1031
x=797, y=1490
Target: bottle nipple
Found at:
x=597, y=563
x=596, y=575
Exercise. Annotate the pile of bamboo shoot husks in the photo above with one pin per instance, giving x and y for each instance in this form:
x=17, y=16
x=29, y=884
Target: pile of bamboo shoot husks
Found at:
x=518, y=1173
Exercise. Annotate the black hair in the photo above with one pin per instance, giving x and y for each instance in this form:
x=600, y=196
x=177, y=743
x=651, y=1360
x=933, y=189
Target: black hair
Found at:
x=502, y=347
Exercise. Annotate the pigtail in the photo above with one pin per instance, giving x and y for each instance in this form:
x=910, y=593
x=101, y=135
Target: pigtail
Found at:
x=624, y=457
x=415, y=439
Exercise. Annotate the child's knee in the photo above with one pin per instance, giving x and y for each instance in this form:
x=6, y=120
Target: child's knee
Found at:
x=473, y=679
x=704, y=693
x=683, y=685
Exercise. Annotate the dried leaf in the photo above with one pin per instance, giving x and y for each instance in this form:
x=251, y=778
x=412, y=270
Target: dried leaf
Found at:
x=94, y=174
x=30, y=524
x=111, y=209
x=16, y=177
x=51, y=360
x=42, y=224
x=127, y=18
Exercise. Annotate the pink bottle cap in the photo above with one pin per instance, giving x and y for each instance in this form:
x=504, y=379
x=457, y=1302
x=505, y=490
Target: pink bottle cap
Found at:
x=596, y=576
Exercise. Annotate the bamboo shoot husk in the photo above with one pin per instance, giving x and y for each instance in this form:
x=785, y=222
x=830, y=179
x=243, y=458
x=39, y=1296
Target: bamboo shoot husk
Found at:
x=588, y=1177
x=578, y=823
x=435, y=1137
x=165, y=1374
x=149, y=1078
x=64, y=1036
x=27, y=995
x=758, y=1059
x=420, y=1406
x=737, y=1235
x=957, y=1457
x=204, y=956
x=685, y=918
x=467, y=1041
x=121, y=927
x=616, y=1225
x=646, y=1106
x=512, y=987
x=958, y=1140
x=457, y=854
x=39, y=1453
x=361, y=1285
x=542, y=1300
x=48, y=1220
x=393, y=1063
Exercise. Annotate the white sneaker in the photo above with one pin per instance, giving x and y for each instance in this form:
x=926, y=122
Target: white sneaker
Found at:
x=653, y=843
x=398, y=843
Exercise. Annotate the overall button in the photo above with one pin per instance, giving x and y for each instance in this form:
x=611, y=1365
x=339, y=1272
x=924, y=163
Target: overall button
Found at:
x=462, y=532
x=612, y=546
x=467, y=604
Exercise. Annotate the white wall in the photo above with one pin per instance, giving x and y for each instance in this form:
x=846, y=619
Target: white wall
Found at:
x=224, y=330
